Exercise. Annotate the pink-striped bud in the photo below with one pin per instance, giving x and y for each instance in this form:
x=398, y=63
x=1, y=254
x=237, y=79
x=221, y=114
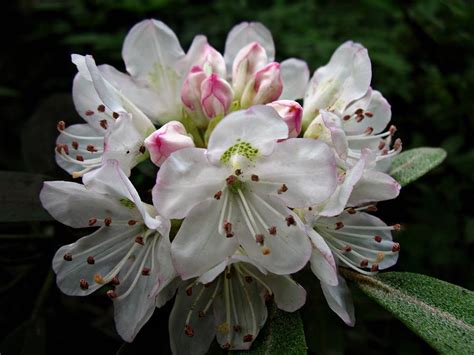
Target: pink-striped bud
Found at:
x=191, y=95
x=292, y=113
x=246, y=63
x=265, y=87
x=168, y=139
x=216, y=96
x=212, y=62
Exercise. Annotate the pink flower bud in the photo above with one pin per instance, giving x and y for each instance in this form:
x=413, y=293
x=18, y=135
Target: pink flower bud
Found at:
x=216, y=96
x=292, y=113
x=266, y=86
x=168, y=139
x=213, y=59
x=246, y=63
x=191, y=95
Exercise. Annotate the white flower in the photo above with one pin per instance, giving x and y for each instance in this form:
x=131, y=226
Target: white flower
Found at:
x=115, y=128
x=130, y=250
x=228, y=302
x=236, y=193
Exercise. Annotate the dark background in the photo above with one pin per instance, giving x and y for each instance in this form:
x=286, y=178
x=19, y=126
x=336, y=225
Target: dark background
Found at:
x=422, y=57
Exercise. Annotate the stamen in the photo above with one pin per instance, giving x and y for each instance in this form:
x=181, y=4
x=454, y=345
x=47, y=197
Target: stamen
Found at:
x=79, y=158
x=238, y=172
x=248, y=279
x=351, y=210
x=395, y=247
x=115, y=281
x=115, y=115
x=347, y=249
x=112, y=294
x=369, y=114
x=139, y=240
x=265, y=250
x=188, y=330
x=272, y=230
x=92, y=221
x=392, y=130
x=142, y=149
x=89, y=113
x=374, y=268
x=146, y=271
x=346, y=118
x=101, y=108
x=83, y=284
x=90, y=260
x=247, y=271
x=339, y=225
x=252, y=311
x=75, y=144
x=218, y=195
x=290, y=221
x=282, y=189
x=364, y=263
x=378, y=238
x=259, y=238
x=91, y=148
x=132, y=222
x=108, y=221
x=61, y=126
x=248, y=338
x=369, y=130
x=254, y=178
x=104, y=124
x=67, y=257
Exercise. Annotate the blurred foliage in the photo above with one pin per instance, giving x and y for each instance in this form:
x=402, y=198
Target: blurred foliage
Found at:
x=422, y=54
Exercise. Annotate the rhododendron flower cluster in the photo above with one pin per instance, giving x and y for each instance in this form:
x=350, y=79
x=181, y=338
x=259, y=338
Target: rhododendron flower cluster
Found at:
x=260, y=185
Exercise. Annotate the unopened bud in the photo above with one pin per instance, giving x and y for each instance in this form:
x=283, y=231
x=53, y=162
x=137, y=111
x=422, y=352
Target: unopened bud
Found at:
x=191, y=95
x=266, y=86
x=246, y=63
x=216, y=96
x=292, y=113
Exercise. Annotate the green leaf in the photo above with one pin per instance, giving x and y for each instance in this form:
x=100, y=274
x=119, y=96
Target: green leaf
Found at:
x=19, y=197
x=439, y=312
x=414, y=163
x=282, y=334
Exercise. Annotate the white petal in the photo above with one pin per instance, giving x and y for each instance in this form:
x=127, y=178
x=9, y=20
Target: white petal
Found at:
x=138, y=92
x=338, y=136
x=322, y=261
x=306, y=166
x=243, y=34
x=374, y=186
x=340, y=300
x=289, y=249
x=295, y=77
x=372, y=102
x=74, y=205
x=151, y=52
x=289, y=295
x=199, y=246
x=338, y=201
x=260, y=126
x=203, y=327
x=107, y=245
x=111, y=181
x=135, y=302
x=247, y=310
x=185, y=179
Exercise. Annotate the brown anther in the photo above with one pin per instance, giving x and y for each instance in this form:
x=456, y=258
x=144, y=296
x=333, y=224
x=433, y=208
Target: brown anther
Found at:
x=272, y=230
x=380, y=257
x=268, y=296
x=98, y=278
x=395, y=247
x=397, y=227
x=218, y=195
x=61, y=125
x=254, y=178
x=101, y=108
x=227, y=227
x=381, y=145
x=347, y=249
x=282, y=189
x=188, y=330
x=359, y=111
x=359, y=118
x=248, y=338
x=310, y=208
x=372, y=208
x=115, y=281
x=107, y=221
x=351, y=210
x=290, y=221
x=364, y=263
x=62, y=147
x=90, y=260
x=229, y=235
x=398, y=144
x=89, y=113
x=91, y=148
x=249, y=279
x=226, y=346
x=189, y=291
x=374, y=267
x=378, y=238
x=84, y=285
x=385, y=152
x=132, y=222
x=238, y=172
x=115, y=115
x=146, y=271
x=201, y=314
x=369, y=130
x=237, y=328
x=104, y=124
x=265, y=250
x=112, y=294
x=79, y=157
x=67, y=257
x=346, y=118
x=369, y=114
x=231, y=179
x=139, y=239
x=259, y=238
x=75, y=144
x=339, y=225
x=228, y=275
x=392, y=130
x=92, y=221
x=142, y=149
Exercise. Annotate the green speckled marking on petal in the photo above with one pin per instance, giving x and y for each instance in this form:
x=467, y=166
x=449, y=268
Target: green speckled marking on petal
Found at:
x=127, y=203
x=241, y=148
